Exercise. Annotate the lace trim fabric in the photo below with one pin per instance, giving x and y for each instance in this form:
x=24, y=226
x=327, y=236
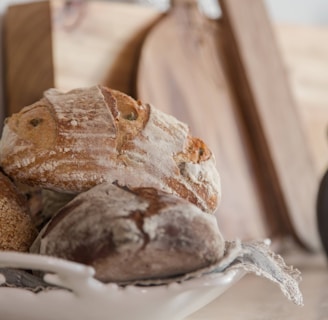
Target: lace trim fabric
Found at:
x=252, y=257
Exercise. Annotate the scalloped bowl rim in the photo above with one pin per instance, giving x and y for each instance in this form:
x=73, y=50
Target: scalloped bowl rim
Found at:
x=89, y=298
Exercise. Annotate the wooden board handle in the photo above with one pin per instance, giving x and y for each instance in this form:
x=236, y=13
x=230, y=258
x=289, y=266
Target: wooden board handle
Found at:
x=259, y=80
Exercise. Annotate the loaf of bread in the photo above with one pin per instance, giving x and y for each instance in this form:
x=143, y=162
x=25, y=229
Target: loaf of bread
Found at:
x=70, y=142
x=129, y=235
x=17, y=231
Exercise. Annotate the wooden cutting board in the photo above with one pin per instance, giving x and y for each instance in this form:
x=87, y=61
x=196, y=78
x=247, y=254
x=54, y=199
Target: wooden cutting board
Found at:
x=27, y=50
x=102, y=46
x=289, y=176
x=182, y=72
x=226, y=80
x=305, y=53
x=113, y=31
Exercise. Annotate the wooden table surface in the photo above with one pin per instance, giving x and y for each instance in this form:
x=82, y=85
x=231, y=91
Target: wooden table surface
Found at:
x=254, y=298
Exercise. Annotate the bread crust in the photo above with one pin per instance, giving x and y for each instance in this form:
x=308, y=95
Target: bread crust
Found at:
x=17, y=231
x=129, y=235
x=70, y=142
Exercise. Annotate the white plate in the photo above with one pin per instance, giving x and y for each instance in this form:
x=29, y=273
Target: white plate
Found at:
x=91, y=299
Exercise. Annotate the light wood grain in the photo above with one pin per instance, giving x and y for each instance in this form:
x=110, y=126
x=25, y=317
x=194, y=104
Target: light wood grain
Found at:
x=181, y=72
x=102, y=46
x=284, y=158
x=305, y=53
x=27, y=54
x=86, y=54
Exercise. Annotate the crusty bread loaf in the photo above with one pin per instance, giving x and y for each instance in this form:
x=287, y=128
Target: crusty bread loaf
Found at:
x=70, y=142
x=17, y=231
x=133, y=235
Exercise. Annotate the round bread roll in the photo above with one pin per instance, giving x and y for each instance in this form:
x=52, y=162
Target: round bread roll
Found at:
x=129, y=235
x=70, y=142
x=17, y=231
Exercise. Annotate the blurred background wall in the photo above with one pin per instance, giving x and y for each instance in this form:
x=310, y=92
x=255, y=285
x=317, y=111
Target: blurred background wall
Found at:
x=299, y=11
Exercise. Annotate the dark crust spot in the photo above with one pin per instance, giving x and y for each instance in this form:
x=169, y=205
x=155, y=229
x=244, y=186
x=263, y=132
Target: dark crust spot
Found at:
x=157, y=201
x=198, y=150
x=111, y=101
x=182, y=191
x=36, y=121
x=66, y=210
x=172, y=231
x=132, y=116
x=87, y=253
x=138, y=218
x=114, y=106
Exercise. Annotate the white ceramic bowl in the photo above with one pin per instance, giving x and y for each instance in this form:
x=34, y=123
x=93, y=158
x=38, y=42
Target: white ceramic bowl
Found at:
x=90, y=299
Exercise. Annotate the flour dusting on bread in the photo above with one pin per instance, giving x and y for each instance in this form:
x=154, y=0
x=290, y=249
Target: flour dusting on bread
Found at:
x=133, y=234
x=70, y=142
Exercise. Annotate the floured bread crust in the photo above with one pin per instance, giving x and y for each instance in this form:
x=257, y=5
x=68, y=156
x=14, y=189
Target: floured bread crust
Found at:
x=131, y=235
x=17, y=231
x=70, y=142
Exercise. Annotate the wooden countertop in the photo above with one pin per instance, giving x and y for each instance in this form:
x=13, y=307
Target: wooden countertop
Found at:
x=255, y=298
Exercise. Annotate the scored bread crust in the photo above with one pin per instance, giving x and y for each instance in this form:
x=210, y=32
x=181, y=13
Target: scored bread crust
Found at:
x=17, y=231
x=129, y=235
x=70, y=142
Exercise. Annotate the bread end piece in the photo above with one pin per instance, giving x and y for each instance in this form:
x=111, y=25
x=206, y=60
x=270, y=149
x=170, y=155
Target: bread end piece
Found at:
x=17, y=231
x=129, y=235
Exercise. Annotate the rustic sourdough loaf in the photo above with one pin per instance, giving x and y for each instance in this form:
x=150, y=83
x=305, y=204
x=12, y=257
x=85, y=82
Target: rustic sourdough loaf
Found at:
x=17, y=231
x=70, y=142
x=129, y=235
